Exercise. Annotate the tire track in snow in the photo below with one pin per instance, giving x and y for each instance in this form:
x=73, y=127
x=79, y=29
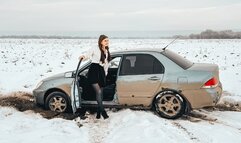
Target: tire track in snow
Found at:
x=202, y=116
x=227, y=125
x=98, y=128
x=190, y=134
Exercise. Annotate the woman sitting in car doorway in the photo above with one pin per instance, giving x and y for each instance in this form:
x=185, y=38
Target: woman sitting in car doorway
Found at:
x=100, y=57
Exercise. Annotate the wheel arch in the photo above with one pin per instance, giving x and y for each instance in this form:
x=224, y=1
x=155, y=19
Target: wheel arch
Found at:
x=188, y=106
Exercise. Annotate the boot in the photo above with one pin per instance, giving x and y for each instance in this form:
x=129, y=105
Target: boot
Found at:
x=104, y=114
x=98, y=114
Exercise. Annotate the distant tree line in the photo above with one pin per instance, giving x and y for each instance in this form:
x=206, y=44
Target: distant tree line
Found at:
x=211, y=34
x=207, y=34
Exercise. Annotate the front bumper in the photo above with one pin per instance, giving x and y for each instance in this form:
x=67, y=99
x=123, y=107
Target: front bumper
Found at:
x=39, y=96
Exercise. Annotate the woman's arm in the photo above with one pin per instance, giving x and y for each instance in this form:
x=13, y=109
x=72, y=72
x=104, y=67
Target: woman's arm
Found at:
x=87, y=55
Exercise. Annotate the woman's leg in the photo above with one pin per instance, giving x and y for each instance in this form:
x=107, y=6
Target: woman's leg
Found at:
x=99, y=97
x=98, y=94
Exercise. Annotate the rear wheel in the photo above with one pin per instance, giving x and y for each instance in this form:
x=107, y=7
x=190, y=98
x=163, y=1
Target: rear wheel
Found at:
x=169, y=105
x=57, y=102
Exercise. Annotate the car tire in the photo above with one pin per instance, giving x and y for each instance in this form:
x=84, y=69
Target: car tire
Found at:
x=58, y=102
x=169, y=104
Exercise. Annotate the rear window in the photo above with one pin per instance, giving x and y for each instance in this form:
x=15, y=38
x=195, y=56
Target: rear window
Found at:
x=179, y=60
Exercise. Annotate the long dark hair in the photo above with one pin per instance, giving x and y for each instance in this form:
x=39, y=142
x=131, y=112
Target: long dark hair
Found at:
x=102, y=57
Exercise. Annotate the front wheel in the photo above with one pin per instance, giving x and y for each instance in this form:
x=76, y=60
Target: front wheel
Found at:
x=169, y=105
x=57, y=102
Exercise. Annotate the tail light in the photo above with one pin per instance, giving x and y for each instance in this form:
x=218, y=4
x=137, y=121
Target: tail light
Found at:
x=213, y=82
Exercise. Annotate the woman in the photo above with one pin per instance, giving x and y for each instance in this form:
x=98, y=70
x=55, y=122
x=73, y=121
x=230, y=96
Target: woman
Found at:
x=100, y=57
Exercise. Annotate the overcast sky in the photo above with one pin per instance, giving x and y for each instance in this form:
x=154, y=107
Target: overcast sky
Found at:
x=118, y=15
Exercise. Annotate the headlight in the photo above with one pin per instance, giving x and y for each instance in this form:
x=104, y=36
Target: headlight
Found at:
x=39, y=84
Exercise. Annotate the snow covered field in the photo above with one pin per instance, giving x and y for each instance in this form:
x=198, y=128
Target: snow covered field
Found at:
x=23, y=62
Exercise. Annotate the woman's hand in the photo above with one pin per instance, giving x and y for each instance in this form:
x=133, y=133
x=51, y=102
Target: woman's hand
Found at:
x=81, y=57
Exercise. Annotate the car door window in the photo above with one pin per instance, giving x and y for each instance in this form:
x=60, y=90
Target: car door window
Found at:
x=141, y=64
x=112, y=71
x=114, y=63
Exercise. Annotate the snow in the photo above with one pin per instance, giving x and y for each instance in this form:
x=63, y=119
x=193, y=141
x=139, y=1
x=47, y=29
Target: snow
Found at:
x=139, y=126
x=28, y=127
x=225, y=129
x=24, y=62
x=143, y=127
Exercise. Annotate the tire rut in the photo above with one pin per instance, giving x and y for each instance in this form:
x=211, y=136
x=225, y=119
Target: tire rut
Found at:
x=197, y=116
x=98, y=128
x=190, y=134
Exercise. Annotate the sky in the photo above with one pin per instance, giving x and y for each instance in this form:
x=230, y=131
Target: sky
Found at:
x=26, y=16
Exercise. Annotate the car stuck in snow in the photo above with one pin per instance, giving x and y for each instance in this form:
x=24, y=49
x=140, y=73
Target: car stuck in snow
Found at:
x=156, y=79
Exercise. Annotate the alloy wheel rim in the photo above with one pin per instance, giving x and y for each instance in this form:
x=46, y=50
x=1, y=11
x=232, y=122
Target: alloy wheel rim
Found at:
x=57, y=104
x=169, y=104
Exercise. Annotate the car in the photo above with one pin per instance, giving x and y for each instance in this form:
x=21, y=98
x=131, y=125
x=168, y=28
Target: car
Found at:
x=155, y=79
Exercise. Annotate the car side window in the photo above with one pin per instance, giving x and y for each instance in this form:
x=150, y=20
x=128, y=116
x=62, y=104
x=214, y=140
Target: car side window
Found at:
x=141, y=64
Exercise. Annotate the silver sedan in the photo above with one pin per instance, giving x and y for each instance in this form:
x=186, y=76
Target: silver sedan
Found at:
x=156, y=79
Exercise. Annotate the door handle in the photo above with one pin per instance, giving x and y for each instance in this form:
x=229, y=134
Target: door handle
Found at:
x=154, y=78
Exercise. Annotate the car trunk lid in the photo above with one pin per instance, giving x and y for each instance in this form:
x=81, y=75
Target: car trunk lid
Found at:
x=212, y=71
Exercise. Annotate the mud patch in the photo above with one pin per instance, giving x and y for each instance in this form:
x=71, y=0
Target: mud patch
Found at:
x=224, y=107
x=23, y=101
x=229, y=103
x=197, y=115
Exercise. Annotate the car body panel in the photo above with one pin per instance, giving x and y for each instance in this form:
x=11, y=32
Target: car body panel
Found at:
x=53, y=83
x=203, y=97
x=127, y=88
x=66, y=88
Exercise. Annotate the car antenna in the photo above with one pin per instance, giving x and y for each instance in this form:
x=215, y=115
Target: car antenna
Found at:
x=169, y=44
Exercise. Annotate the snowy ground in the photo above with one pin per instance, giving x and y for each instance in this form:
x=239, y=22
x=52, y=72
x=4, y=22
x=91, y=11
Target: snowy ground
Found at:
x=26, y=61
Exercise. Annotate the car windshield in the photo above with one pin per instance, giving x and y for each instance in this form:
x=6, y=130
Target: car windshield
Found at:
x=82, y=64
x=179, y=60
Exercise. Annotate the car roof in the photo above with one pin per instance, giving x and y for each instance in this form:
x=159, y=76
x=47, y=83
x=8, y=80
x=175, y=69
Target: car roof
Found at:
x=136, y=50
x=176, y=58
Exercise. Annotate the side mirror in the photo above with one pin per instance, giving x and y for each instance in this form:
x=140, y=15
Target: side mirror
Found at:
x=68, y=74
x=73, y=74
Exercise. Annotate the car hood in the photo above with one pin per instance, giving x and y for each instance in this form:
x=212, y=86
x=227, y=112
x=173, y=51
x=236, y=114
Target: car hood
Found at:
x=57, y=76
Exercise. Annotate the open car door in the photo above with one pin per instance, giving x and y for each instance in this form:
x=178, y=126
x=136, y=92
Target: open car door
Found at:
x=75, y=93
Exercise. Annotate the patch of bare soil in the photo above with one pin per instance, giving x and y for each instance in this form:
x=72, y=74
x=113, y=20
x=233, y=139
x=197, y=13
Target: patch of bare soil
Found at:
x=197, y=115
x=224, y=107
x=23, y=101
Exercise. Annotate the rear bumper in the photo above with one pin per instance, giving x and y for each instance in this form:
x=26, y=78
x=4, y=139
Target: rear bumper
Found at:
x=215, y=93
x=203, y=97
